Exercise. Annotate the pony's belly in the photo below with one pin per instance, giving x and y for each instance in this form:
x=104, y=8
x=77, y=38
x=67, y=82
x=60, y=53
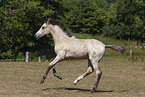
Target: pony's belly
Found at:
x=76, y=56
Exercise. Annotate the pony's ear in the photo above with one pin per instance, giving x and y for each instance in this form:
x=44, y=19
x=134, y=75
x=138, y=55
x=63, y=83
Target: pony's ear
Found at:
x=48, y=21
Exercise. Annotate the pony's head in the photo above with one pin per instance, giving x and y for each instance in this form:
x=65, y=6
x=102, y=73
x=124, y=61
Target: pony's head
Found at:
x=44, y=30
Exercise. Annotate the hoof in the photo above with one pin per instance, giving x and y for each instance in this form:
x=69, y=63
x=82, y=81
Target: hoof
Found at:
x=92, y=91
x=59, y=77
x=75, y=83
x=42, y=81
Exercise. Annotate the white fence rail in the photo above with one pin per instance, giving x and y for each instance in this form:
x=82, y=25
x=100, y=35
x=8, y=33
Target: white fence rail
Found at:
x=136, y=46
x=39, y=58
x=26, y=59
x=5, y=60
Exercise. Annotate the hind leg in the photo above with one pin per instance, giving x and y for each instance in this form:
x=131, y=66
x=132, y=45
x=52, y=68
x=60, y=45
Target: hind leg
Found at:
x=98, y=77
x=96, y=67
x=89, y=71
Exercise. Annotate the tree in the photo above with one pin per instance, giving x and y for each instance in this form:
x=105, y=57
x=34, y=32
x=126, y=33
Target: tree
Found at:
x=140, y=21
x=86, y=17
x=16, y=25
x=125, y=20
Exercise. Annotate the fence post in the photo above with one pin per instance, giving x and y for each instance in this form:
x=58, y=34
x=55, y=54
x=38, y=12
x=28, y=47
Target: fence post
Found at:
x=39, y=59
x=130, y=51
x=27, y=56
x=142, y=56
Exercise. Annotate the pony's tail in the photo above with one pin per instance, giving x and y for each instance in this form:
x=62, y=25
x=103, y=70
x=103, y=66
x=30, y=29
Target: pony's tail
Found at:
x=118, y=48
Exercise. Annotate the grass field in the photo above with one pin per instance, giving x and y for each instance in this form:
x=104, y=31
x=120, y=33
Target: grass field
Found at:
x=120, y=78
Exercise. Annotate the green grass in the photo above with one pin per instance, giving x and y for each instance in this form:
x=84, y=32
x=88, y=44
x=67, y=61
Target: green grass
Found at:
x=120, y=78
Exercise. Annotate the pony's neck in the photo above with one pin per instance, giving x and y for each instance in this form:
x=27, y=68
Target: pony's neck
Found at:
x=57, y=33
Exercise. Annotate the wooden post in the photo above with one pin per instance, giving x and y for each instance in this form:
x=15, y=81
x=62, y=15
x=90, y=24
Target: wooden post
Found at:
x=39, y=59
x=142, y=56
x=131, y=54
x=27, y=56
x=130, y=51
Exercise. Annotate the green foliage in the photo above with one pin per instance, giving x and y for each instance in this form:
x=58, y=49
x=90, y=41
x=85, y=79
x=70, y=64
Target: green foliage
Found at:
x=87, y=17
x=17, y=18
x=21, y=19
x=125, y=20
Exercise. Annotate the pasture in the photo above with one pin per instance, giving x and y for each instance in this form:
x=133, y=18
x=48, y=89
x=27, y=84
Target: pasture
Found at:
x=121, y=78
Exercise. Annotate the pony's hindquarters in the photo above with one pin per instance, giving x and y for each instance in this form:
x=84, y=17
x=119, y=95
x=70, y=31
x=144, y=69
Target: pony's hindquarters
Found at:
x=96, y=50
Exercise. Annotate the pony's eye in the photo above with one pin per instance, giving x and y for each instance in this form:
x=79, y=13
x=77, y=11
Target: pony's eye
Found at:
x=43, y=27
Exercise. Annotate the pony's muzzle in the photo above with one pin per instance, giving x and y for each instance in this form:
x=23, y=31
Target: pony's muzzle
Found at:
x=36, y=36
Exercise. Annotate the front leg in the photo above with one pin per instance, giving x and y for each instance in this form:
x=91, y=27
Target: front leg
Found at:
x=59, y=57
x=55, y=74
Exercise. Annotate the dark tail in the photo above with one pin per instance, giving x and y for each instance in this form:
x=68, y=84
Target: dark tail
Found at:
x=118, y=48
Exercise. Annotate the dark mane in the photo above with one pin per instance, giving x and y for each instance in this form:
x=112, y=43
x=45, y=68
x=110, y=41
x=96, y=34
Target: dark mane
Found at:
x=61, y=25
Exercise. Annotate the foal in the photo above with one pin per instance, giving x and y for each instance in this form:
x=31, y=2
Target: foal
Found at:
x=71, y=47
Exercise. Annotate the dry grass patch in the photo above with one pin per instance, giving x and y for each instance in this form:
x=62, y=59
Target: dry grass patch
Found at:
x=120, y=78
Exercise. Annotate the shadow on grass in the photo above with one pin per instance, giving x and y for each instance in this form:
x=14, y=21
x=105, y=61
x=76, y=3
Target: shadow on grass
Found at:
x=76, y=89
x=87, y=90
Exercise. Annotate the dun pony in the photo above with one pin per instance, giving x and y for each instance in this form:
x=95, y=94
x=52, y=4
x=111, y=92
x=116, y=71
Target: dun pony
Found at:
x=71, y=47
